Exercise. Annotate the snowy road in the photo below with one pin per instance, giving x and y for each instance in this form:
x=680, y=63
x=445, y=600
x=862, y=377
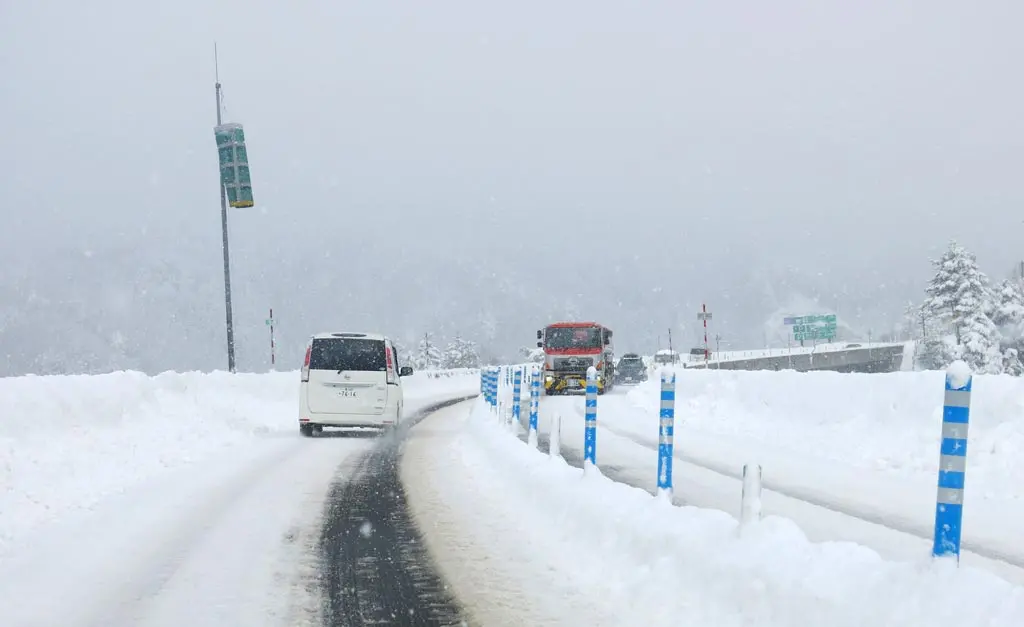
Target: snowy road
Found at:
x=252, y=525
x=375, y=570
x=227, y=542
x=524, y=539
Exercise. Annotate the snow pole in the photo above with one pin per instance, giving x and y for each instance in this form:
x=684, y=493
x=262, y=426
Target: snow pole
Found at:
x=485, y=374
x=750, y=497
x=666, y=432
x=534, y=405
x=517, y=395
x=494, y=390
x=590, y=430
x=555, y=437
x=949, y=505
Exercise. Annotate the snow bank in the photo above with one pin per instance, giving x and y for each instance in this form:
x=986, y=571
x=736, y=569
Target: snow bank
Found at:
x=640, y=561
x=68, y=441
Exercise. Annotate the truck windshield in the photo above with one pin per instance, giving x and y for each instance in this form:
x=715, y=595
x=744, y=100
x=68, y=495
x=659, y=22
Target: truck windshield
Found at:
x=567, y=337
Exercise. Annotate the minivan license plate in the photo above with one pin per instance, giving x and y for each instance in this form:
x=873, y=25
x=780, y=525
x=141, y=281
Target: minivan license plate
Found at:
x=347, y=392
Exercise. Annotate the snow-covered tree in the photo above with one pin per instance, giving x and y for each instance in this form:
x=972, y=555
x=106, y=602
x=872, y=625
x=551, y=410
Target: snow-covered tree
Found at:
x=1008, y=316
x=428, y=354
x=910, y=326
x=957, y=309
x=461, y=353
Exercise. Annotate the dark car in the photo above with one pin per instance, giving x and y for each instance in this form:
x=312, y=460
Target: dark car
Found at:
x=630, y=369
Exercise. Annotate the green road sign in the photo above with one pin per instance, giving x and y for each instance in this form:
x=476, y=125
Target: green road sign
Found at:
x=815, y=333
x=812, y=319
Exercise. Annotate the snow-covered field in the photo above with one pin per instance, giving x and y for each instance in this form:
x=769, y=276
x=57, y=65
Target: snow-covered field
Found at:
x=183, y=498
x=557, y=546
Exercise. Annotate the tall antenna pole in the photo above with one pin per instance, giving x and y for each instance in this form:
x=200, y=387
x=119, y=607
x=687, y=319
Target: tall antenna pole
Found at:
x=224, y=235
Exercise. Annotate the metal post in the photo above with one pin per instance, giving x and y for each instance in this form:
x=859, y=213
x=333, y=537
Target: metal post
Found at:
x=590, y=429
x=517, y=395
x=224, y=234
x=949, y=502
x=534, y=405
x=666, y=432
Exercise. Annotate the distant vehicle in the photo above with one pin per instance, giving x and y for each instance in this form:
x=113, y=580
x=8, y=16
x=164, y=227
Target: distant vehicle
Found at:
x=666, y=356
x=570, y=348
x=631, y=369
x=698, y=354
x=350, y=380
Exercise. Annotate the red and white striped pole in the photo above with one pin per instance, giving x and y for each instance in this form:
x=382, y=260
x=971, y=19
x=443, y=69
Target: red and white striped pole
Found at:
x=704, y=310
x=271, y=322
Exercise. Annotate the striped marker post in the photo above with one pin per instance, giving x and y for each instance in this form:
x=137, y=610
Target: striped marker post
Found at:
x=949, y=507
x=517, y=395
x=666, y=433
x=494, y=390
x=534, y=405
x=590, y=427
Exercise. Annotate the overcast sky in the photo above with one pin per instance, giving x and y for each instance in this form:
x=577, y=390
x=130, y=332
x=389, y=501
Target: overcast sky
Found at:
x=739, y=153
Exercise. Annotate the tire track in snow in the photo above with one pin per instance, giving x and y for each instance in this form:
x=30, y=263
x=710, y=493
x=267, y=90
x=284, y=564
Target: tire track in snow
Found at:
x=374, y=567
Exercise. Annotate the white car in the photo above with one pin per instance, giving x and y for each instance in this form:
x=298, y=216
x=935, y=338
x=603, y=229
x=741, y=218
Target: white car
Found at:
x=350, y=380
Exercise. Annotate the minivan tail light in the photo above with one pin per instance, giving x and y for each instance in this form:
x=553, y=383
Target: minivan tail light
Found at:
x=390, y=364
x=305, y=364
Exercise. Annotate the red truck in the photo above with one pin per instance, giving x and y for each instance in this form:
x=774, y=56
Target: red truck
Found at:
x=570, y=348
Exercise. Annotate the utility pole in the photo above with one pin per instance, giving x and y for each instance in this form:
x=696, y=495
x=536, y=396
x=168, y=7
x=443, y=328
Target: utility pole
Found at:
x=672, y=355
x=224, y=234
x=718, y=350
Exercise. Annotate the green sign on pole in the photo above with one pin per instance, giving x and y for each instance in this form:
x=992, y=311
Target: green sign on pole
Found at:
x=813, y=327
x=234, y=164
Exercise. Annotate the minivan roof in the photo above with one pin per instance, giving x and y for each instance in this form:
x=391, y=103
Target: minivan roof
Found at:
x=349, y=334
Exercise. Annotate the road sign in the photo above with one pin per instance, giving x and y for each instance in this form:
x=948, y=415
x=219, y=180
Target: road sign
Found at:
x=270, y=321
x=815, y=333
x=703, y=315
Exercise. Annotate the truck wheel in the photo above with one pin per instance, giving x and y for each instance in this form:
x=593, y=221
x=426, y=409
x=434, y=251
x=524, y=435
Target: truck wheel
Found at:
x=306, y=430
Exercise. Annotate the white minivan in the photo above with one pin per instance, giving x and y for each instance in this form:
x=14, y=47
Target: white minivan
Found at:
x=350, y=380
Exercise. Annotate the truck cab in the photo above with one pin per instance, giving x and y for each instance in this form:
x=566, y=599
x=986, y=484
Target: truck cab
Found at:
x=570, y=348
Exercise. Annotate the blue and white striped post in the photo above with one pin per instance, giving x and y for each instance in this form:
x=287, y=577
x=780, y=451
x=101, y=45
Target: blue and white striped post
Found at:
x=494, y=389
x=517, y=395
x=531, y=439
x=666, y=433
x=949, y=507
x=590, y=426
x=495, y=386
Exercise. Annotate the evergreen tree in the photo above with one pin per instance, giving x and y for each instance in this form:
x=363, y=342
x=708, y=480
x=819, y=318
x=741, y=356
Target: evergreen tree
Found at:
x=1008, y=316
x=958, y=305
x=911, y=328
x=461, y=353
x=428, y=355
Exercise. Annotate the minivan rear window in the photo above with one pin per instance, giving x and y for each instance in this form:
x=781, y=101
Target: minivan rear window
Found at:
x=347, y=354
